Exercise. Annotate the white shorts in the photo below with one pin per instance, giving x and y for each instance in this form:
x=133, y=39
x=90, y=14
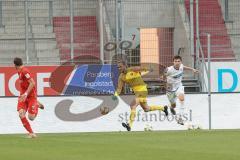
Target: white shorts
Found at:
x=172, y=96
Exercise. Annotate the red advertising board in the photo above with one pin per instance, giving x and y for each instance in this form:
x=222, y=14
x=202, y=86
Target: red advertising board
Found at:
x=41, y=74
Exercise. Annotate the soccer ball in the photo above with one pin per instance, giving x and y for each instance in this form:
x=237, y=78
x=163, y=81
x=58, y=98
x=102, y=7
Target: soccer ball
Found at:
x=148, y=127
x=193, y=127
x=104, y=110
x=198, y=126
x=190, y=127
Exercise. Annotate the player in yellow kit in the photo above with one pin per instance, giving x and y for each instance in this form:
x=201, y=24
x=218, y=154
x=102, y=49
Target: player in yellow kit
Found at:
x=133, y=77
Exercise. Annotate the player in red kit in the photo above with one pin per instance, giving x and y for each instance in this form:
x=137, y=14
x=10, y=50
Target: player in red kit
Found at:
x=27, y=101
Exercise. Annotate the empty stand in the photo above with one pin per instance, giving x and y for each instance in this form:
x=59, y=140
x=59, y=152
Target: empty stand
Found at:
x=211, y=21
x=86, y=36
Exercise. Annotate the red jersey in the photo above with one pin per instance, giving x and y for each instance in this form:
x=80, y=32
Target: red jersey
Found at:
x=24, y=77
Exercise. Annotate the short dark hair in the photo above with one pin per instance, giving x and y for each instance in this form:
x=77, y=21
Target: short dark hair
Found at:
x=177, y=57
x=18, y=61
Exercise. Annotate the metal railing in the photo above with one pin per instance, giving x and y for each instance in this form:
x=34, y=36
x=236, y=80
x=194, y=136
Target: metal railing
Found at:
x=54, y=31
x=205, y=73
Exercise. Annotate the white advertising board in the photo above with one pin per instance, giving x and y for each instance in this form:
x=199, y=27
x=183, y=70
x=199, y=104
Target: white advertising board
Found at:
x=225, y=77
x=225, y=115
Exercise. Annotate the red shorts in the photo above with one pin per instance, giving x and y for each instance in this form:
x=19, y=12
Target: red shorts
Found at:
x=30, y=105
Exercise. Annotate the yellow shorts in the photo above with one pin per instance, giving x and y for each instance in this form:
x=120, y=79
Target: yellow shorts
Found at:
x=141, y=93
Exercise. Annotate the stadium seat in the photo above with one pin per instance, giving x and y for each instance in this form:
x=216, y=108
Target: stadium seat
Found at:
x=86, y=36
x=211, y=21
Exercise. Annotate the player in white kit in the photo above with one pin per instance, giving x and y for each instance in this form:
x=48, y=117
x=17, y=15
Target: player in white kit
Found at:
x=174, y=88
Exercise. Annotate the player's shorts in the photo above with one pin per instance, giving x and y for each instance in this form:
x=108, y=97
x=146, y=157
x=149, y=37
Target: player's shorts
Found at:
x=172, y=95
x=141, y=93
x=30, y=105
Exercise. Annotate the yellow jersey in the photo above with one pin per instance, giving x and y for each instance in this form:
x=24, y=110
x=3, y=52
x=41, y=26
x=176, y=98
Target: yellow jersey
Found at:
x=133, y=79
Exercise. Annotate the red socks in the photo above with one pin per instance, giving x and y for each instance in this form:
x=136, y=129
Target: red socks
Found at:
x=26, y=124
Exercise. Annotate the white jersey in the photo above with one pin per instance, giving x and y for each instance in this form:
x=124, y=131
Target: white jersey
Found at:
x=174, y=77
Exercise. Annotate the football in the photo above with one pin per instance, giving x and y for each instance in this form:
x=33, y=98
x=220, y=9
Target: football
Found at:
x=104, y=110
x=193, y=126
x=148, y=127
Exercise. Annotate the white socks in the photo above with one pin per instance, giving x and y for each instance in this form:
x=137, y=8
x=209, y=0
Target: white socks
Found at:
x=181, y=108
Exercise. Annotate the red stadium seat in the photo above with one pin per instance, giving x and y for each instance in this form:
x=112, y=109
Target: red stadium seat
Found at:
x=86, y=36
x=211, y=21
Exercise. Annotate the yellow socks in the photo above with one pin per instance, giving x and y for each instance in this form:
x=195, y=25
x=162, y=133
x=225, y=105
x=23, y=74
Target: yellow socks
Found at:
x=133, y=113
x=132, y=117
x=154, y=108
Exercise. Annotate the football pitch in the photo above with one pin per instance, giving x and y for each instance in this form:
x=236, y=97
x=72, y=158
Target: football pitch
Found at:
x=164, y=145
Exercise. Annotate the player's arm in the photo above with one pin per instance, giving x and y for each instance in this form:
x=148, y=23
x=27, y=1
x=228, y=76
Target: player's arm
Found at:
x=119, y=88
x=163, y=69
x=191, y=69
x=141, y=69
x=30, y=87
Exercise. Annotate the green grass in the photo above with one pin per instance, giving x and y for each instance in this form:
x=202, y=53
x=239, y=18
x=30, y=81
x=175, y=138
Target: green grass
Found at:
x=167, y=145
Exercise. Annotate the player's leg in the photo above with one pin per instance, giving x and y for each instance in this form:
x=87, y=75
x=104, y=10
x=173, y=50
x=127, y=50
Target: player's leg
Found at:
x=40, y=105
x=32, y=112
x=181, y=103
x=26, y=124
x=142, y=98
x=32, y=108
x=22, y=107
x=172, y=108
x=181, y=109
x=172, y=97
x=147, y=108
x=133, y=107
x=181, y=98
